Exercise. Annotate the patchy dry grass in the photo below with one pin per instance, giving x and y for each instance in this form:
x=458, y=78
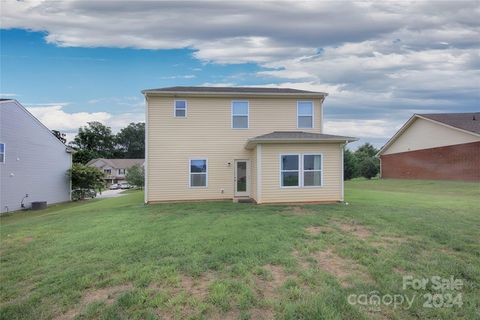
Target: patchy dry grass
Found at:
x=118, y=259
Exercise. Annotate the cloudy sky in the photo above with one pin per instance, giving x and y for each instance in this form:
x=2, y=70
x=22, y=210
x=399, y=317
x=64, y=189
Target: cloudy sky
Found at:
x=76, y=61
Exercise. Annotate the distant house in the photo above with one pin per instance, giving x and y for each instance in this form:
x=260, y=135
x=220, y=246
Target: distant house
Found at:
x=115, y=169
x=443, y=146
x=33, y=162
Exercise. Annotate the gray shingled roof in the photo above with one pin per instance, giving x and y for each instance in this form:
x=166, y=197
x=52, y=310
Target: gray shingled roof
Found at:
x=296, y=136
x=119, y=163
x=244, y=90
x=466, y=121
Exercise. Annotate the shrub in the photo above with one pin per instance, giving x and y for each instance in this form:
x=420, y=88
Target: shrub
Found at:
x=85, y=181
x=136, y=176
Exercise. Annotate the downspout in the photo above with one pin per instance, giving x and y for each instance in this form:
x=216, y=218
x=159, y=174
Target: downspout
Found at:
x=145, y=162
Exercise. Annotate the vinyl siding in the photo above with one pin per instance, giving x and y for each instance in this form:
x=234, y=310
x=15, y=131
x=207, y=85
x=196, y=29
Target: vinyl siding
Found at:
x=36, y=163
x=332, y=174
x=207, y=133
x=424, y=134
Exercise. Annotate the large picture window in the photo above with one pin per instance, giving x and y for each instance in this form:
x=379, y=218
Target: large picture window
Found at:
x=198, y=173
x=180, y=108
x=301, y=170
x=305, y=114
x=290, y=169
x=240, y=114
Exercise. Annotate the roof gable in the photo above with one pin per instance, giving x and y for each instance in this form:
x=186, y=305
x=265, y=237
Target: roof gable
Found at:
x=456, y=122
x=232, y=91
x=466, y=121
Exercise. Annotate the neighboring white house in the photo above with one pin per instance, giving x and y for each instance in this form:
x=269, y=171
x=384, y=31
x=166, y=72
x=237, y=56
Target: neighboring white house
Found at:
x=115, y=170
x=33, y=162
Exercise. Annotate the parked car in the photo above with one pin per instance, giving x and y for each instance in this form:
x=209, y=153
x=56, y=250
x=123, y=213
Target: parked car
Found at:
x=125, y=186
x=115, y=186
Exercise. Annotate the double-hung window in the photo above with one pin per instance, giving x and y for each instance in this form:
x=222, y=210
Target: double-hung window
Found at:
x=121, y=171
x=240, y=114
x=290, y=170
x=312, y=170
x=300, y=170
x=107, y=171
x=2, y=152
x=180, y=109
x=304, y=114
x=198, y=173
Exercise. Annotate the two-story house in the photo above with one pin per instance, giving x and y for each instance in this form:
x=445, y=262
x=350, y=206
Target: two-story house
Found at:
x=265, y=144
x=115, y=170
x=33, y=162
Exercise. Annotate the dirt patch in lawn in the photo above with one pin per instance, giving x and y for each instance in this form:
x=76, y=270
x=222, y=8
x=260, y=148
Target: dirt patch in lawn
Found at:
x=318, y=230
x=106, y=295
x=197, y=287
x=339, y=267
x=267, y=287
x=354, y=228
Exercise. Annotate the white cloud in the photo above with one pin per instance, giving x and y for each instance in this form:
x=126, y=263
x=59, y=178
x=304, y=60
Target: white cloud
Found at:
x=55, y=117
x=8, y=95
x=380, y=61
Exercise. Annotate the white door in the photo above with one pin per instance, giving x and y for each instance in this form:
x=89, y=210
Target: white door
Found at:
x=242, y=178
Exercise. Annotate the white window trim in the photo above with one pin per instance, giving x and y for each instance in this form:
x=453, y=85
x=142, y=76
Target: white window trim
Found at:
x=190, y=173
x=175, y=108
x=321, y=169
x=313, y=114
x=301, y=170
x=242, y=115
x=4, y=152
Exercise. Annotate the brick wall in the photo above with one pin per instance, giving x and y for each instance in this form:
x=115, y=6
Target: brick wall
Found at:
x=457, y=162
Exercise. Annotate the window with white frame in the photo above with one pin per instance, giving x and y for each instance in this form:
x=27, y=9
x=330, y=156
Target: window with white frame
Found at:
x=198, y=173
x=312, y=170
x=300, y=170
x=2, y=152
x=180, y=108
x=107, y=171
x=290, y=170
x=239, y=114
x=305, y=114
x=121, y=171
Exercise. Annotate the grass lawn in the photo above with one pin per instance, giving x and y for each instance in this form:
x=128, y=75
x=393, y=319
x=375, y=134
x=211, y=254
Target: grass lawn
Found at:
x=118, y=259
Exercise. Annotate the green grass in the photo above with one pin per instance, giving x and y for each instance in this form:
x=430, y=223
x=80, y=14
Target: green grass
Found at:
x=118, y=259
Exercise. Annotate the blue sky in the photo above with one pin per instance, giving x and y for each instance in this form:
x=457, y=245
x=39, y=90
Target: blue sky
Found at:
x=75, y=61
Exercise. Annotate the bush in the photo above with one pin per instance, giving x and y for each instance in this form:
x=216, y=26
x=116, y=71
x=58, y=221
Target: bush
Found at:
x=85, y=181
x=368, y=168
x=136, y=176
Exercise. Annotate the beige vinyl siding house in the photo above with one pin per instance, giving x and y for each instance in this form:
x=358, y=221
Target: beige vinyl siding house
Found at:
x=214, y=129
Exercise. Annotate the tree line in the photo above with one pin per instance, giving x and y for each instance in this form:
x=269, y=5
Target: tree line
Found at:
x=361, y=162
x=95, y=140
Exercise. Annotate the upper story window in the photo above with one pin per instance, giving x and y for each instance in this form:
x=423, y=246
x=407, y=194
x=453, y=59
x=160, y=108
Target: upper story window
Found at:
x=240, y=114
x=198, y=173
x=180, y=109
x=2, y=152
x=304, y=114
x=121, y=171
x=107, y=171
